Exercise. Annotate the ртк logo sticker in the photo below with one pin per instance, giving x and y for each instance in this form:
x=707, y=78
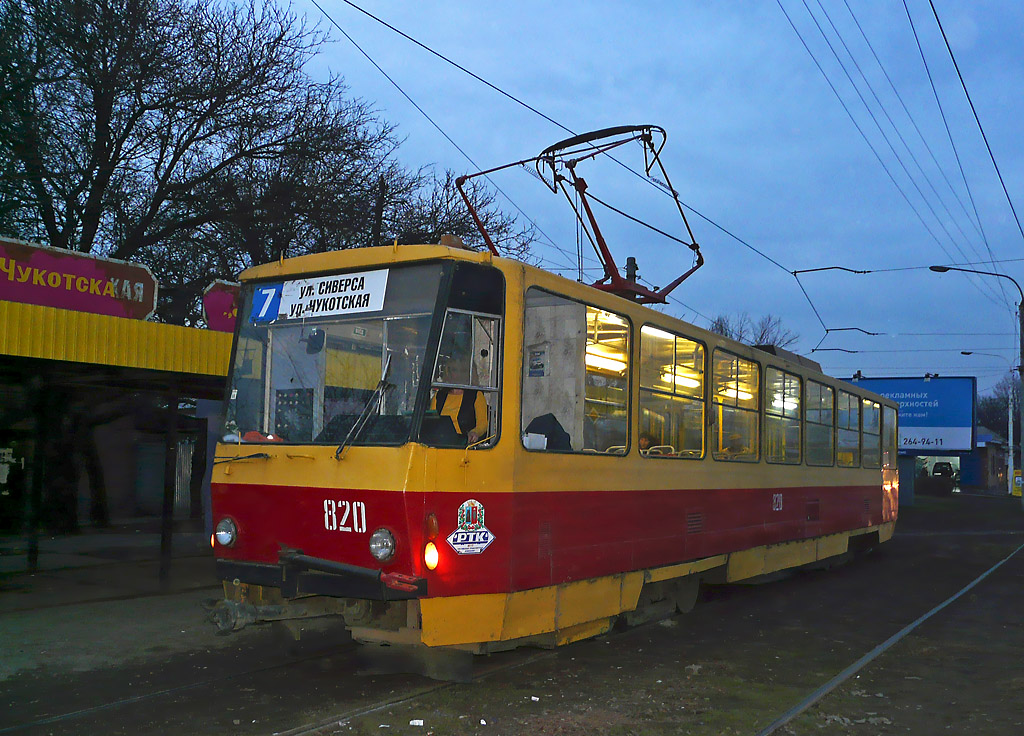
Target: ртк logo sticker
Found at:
x=472, y=537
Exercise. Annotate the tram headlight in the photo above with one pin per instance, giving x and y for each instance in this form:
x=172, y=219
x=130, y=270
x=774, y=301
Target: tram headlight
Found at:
x=430, y=555
x=226, y=532
x=382, y=545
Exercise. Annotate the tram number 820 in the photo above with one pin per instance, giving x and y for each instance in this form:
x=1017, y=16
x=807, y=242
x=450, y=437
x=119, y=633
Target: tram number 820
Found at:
x=344, y=516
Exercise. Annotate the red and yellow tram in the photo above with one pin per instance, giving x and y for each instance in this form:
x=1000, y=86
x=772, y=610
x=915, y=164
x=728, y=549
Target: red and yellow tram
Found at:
x=622, y=456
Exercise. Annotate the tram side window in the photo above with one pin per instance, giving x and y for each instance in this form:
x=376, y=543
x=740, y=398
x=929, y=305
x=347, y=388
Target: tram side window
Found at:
x=889, y=443
x=848, y=430
x=671, y=395
x=575, y=376
x=735, y=393
x=819, y=411
x=871, y=435
x=782, y=416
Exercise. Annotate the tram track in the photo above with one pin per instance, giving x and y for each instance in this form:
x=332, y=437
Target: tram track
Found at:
x=326, y=726
x=312, y=728
x=353, y=699
x=167, y=692
x=820, y=693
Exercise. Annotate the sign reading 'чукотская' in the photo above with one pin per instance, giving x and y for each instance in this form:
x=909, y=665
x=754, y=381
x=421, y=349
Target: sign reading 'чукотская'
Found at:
x=325, y=296
x=53, y=277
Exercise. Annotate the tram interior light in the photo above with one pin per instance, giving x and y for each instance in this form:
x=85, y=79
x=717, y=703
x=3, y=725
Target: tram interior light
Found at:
x=680, y=380
x=733, y=393
x=603, y=363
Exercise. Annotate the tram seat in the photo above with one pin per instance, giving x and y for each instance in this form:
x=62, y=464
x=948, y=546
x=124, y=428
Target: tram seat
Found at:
x=661, y=450
x=616, y=450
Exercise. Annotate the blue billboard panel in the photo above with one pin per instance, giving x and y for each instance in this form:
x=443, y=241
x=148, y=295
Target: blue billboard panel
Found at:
x=936, y=414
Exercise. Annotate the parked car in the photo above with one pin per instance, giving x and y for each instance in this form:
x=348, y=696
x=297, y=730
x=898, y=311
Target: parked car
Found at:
x=943, y=468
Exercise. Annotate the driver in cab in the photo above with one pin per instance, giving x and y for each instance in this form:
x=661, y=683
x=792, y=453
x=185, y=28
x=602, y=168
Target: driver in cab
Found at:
x=466, y=407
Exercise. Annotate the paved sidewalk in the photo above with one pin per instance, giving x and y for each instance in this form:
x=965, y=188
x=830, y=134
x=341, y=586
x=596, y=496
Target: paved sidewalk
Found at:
x=96, y=565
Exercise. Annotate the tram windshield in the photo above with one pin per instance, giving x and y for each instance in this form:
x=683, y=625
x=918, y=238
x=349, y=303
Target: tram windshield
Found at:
x=311, y=352
x=341, y=358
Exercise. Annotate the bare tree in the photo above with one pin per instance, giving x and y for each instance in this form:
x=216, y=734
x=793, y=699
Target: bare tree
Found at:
x=993, y=409
x=189, y=136
x=768, y=330
x=438, y=209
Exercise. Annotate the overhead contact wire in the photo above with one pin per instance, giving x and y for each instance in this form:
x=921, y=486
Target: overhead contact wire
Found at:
x=976, y=221
x=892, y=148
x=899, y=134
x=430, y=119
x=860, y=130
x=658, y=185
x=976, y=118
x=945, y=122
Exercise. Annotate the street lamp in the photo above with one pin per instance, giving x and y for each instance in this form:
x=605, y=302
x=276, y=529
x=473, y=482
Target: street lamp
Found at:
x=1020, y=333
x=1009, y=420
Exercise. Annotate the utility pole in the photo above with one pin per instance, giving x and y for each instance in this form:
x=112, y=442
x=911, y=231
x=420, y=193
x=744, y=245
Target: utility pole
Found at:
x=1020, y=337
x=1020, y=394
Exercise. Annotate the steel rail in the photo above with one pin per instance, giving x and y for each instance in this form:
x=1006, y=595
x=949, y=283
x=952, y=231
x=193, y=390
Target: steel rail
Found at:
x=861, y=663
x=93, y=709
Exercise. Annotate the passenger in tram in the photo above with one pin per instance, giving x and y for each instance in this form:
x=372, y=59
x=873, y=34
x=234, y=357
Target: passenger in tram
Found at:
x=735, y=447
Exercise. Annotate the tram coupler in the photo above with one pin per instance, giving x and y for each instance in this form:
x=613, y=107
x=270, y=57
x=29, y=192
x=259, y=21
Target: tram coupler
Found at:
x=293, y=562
x=233, y=616
x=245, y=604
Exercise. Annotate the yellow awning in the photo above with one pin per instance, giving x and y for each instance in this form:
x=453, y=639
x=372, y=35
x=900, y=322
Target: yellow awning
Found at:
x=47, y=333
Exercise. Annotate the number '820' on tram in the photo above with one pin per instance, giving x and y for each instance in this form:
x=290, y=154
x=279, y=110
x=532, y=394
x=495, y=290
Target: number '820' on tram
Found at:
x=448, y=449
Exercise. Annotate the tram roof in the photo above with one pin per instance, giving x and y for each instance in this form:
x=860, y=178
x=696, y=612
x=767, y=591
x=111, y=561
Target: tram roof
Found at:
x=314, y=263
x=362, y=257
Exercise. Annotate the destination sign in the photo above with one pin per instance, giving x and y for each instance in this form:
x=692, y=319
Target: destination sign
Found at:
x=325, y=296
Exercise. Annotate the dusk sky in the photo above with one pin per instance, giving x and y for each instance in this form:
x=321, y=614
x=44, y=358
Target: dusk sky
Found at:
x=758, y=143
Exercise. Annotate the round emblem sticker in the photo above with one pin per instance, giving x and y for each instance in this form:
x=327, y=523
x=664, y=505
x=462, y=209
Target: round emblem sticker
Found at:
x=471, y=537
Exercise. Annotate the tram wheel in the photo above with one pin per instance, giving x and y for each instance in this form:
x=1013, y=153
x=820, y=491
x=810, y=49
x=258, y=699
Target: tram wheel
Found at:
x=686, y=591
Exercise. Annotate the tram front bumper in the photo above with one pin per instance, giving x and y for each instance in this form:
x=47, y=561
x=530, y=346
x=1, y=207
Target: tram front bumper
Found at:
x=298, y=574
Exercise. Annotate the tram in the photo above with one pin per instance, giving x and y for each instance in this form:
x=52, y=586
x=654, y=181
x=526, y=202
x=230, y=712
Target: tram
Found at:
x=457, y=451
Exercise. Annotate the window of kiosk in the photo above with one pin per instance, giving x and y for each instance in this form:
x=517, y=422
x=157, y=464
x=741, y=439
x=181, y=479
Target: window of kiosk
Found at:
x=671, y=395
x=575, y=376
x=781, y=416
x=735, y=394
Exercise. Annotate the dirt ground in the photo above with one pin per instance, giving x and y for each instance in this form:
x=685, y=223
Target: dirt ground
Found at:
x=745, y=656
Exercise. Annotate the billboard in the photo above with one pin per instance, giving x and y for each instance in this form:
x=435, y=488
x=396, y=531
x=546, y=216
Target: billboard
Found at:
x=936, y=414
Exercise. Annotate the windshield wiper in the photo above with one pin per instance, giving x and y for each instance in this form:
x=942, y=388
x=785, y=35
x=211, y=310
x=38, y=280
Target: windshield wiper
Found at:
x=364, y=415
x=254, y=456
